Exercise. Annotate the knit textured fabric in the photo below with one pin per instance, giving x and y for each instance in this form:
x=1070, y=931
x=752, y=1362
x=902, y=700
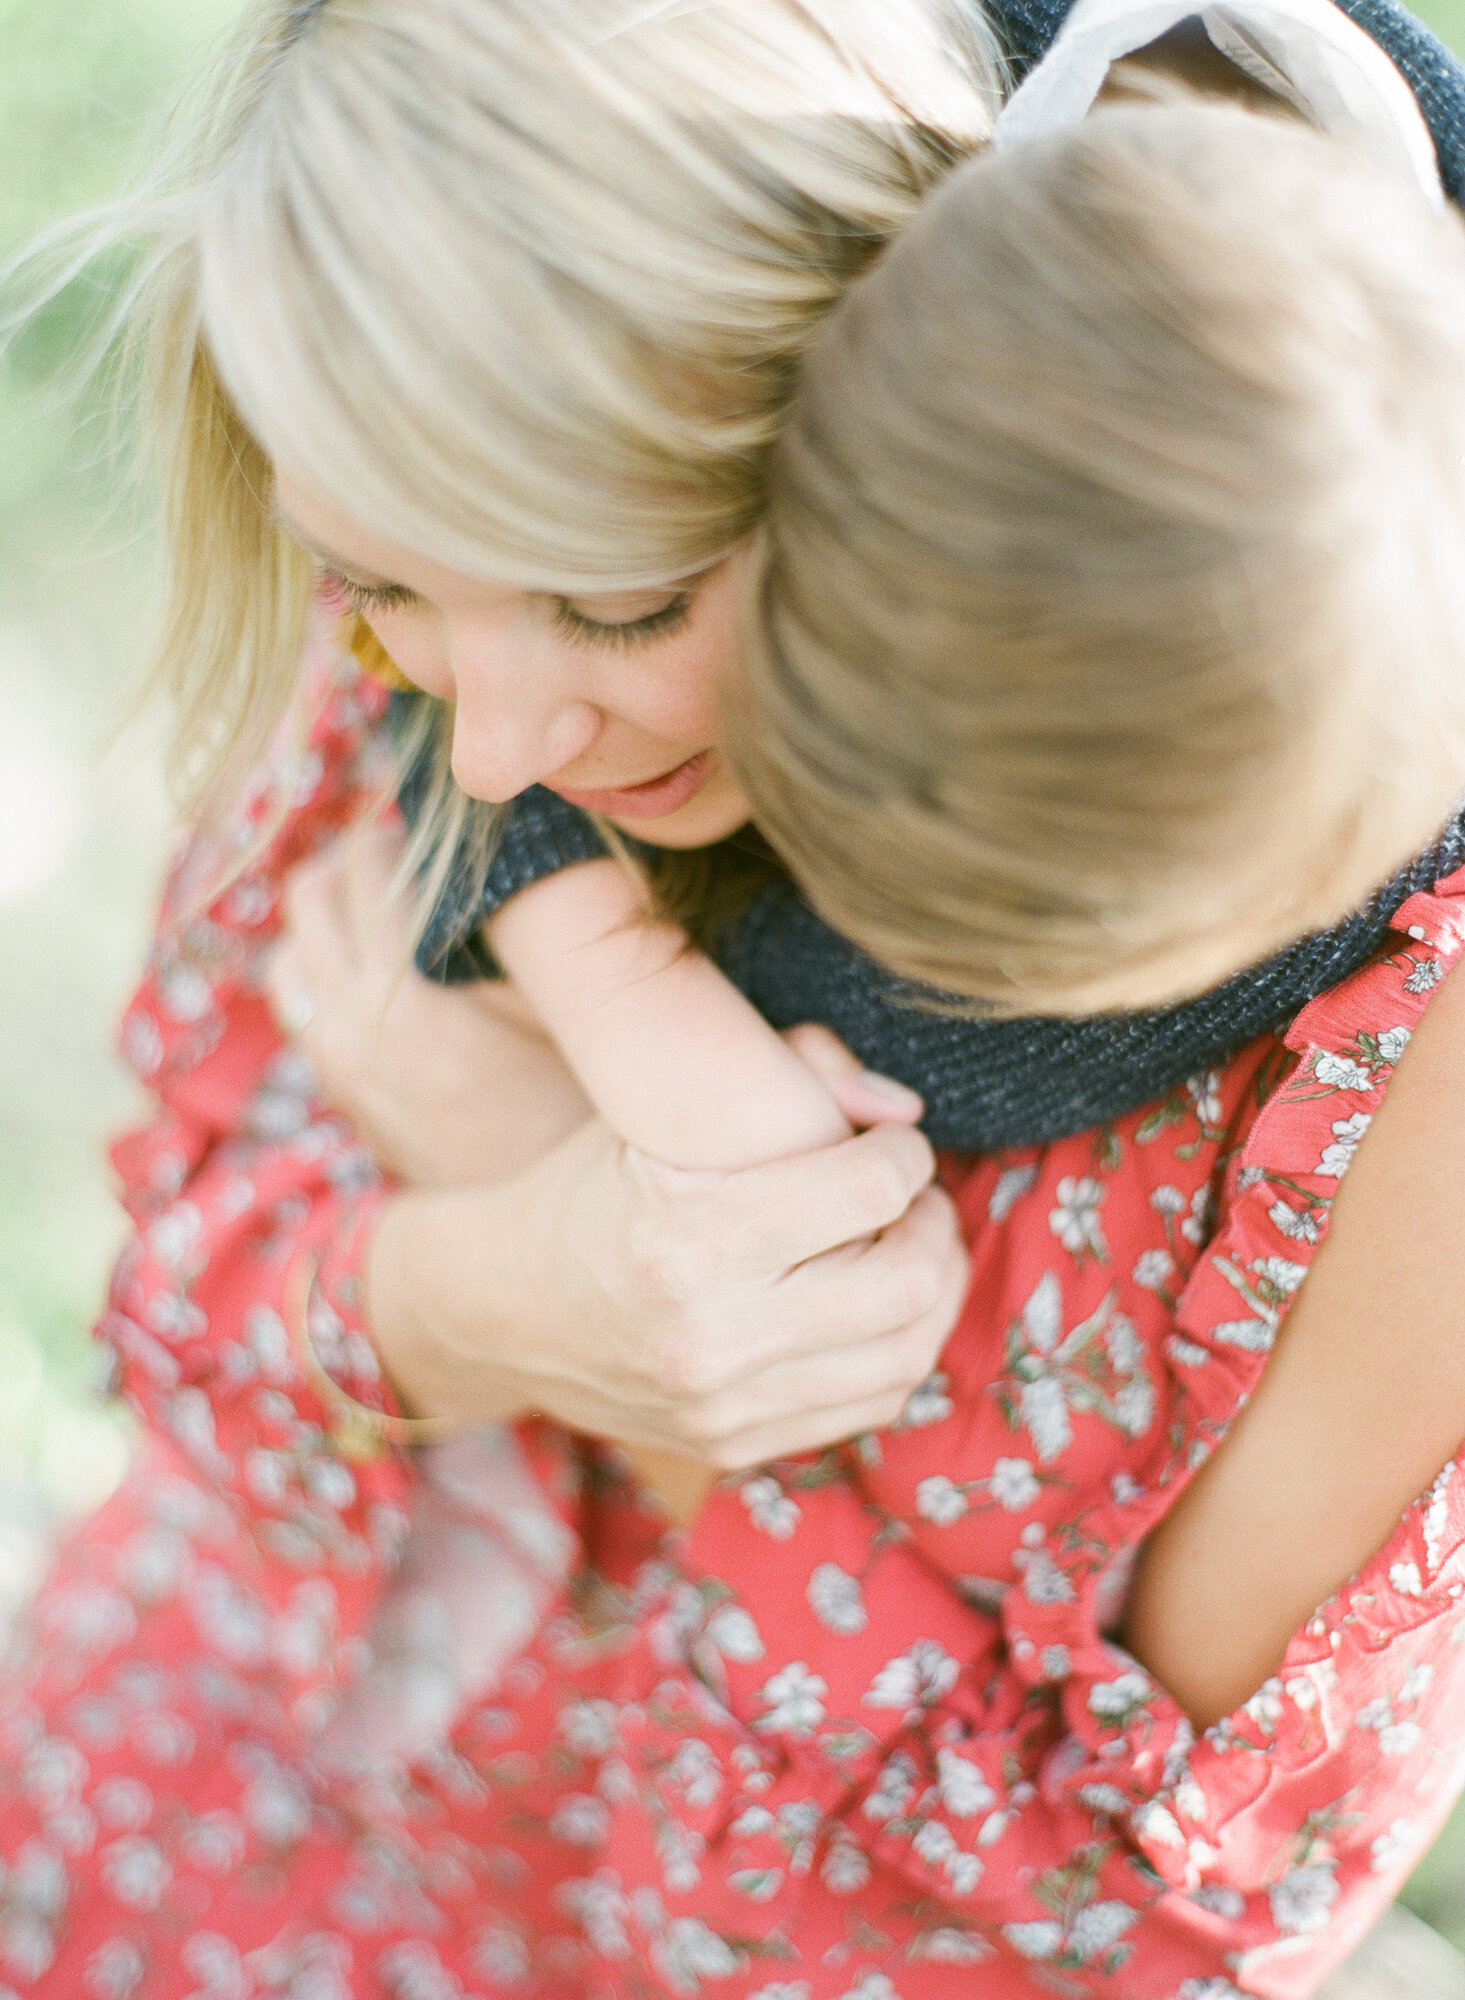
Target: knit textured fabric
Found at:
x=1004, y=1083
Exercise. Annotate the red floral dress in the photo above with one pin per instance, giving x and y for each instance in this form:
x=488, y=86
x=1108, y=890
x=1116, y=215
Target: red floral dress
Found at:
x=298, y=1717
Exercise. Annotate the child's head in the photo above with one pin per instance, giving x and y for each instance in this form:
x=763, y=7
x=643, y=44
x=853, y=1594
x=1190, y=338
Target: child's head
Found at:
x=1112, y=630
x=520, y=284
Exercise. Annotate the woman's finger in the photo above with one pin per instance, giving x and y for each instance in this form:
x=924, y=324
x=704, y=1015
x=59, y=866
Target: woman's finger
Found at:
x=765, y=1220
x=805, y=1396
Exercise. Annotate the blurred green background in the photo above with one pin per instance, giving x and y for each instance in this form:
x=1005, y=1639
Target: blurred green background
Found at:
x=84, y=826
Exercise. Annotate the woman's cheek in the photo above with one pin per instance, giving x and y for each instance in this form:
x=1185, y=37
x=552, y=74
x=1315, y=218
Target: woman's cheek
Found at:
x=414, y=651
x=687, y=691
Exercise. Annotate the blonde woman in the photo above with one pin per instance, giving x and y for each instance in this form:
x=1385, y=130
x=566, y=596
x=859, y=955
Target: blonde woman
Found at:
x=659, y=1793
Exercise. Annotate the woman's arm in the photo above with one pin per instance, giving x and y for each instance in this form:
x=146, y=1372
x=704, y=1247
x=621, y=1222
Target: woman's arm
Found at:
x=448, y=1085
x=451, y=1091
x=1361, y=1403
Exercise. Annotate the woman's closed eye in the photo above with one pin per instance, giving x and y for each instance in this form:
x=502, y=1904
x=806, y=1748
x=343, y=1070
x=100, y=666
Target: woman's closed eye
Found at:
x=344, y=593
x=667, y=617
x=578, y=619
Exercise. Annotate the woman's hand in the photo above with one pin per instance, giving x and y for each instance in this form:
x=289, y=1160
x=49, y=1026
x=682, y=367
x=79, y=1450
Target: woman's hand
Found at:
x=447, y=1085
x=728, y=1317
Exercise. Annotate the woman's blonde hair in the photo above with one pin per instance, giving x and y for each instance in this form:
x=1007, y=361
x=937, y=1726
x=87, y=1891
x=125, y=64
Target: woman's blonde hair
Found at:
x=1112, y=624
x=521, y=284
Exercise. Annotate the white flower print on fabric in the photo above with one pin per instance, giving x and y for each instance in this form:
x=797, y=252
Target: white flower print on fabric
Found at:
x=964, y=1790
x=590, y=1727
x=915, y=1679
x=947, y=1945
x=1186, y=1353
x=1120, y=1701
x=1298, y=1223
x=1204, y=1093
x=1427, y=974
x=732, y=1631
x=136, y=1871
x=1043, y=1582
x=689, y=1953
x=845, y=1868
x=1152, y=1268
x=893, y=1790
x=1346, y=1134
x=1075, y=1220
x=940, y=1500
x=1012, y=1485
x=1392, y=1044
x=936, y=1844
x=501, y=1955
x=1396, y=1738
x=580, y=1820
x=1091, y=1934
x=1302, y=1900
x=872, y=1986
x=836, y=1600
x=928, y=1403
x=1417, y=1681
x=114, y=1972
x=1099, y=1367
x=794, y=1701
x=769, y=1507
x=1012, y=1184
x=1266, y=1286
x=697, y=1772
x=1342, y=1072
x=1388, y=1849
x=1197, y=1225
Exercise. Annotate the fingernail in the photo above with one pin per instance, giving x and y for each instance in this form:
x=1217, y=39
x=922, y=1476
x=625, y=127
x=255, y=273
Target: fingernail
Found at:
x=894, y=1093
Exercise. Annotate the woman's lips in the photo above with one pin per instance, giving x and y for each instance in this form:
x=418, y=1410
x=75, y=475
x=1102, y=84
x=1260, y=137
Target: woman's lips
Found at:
x=651, y=800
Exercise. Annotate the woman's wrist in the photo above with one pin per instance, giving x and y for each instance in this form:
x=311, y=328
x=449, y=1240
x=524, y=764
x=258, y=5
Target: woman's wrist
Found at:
x=440, y=1366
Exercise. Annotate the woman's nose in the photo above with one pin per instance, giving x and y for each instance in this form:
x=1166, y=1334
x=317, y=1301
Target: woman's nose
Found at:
x=498, y=753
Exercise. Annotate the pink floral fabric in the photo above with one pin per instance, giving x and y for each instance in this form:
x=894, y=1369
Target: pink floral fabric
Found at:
x=300, y=1718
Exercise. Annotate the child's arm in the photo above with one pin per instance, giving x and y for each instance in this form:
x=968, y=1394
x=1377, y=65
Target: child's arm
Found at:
x=1361, y=1403
x=672, y=1056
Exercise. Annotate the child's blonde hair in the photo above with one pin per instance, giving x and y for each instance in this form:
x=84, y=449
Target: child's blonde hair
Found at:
x=518, y=283
x=1112, y=628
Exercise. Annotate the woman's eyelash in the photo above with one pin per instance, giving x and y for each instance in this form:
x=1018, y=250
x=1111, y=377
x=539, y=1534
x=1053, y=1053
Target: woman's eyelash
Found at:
x=363, y=596
x=631, y=631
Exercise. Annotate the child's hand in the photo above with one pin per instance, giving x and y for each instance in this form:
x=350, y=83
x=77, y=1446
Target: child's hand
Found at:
x=864, y=1097
x=447, y=1085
